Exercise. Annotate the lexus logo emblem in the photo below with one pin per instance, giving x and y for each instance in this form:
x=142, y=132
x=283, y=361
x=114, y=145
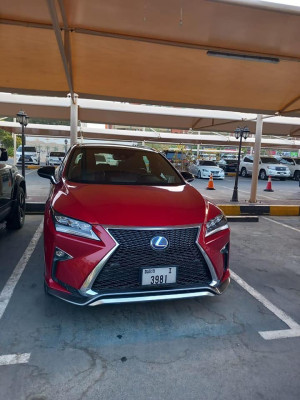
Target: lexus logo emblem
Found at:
x=159, y=243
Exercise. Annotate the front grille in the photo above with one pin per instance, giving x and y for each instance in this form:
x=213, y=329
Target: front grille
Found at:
x=280, y=169
x=123, y=269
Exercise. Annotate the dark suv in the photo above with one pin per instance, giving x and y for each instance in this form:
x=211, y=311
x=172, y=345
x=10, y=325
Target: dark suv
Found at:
x=12, y=194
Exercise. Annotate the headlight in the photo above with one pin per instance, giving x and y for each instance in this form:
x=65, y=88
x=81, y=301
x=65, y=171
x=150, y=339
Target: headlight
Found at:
x=219, y=223
x=272, y=168
x=73, y=226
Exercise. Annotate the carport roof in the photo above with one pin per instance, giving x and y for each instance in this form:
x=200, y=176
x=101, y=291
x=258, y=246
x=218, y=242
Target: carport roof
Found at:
x=116, y=113
x=153, y=52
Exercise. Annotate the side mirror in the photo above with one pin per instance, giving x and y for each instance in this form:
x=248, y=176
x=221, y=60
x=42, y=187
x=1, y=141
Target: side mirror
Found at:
x=47, y=172
x=187, y=176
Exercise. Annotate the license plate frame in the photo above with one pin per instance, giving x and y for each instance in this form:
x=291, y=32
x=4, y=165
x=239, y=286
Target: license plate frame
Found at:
x=167, y=275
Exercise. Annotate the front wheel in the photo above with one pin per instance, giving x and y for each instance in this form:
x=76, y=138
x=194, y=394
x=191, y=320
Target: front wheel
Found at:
x=17, y=216
x=244, y=172
x=262, y=174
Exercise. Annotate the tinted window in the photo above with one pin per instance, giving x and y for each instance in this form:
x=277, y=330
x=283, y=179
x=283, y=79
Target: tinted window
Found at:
x=247, y=159
x=209, y=163
x=269, y=160
x=57, y=154
x=27, y=149
x=121, y=166
x=297, y=161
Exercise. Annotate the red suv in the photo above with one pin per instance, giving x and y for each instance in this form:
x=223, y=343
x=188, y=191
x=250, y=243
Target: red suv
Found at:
x=123, y=225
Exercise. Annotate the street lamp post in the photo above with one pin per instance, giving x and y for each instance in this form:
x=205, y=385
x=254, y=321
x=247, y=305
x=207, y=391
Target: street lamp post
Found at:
x=240, y=133
x=23, y=118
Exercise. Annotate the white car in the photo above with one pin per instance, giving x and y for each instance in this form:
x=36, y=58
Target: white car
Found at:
x=55, y=158
x=268, y=166
x=31, y=156
x=205, y=168
x=294, y=165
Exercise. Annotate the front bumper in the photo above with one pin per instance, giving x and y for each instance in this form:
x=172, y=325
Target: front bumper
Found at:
x=138, y=296
x=278, y=174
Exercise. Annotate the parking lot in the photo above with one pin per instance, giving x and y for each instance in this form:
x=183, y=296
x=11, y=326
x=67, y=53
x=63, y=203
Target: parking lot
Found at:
x=285, y=192
x=241, y=345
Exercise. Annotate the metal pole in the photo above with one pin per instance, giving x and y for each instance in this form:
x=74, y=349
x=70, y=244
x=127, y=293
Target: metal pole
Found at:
x=73, y=119
x=257, y=145
x=23, y=155
x=235, y=190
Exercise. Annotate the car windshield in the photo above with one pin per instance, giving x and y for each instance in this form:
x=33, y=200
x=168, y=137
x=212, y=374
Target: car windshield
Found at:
x=297, y=161
x=27, y=149
x=269, y=160
x=208, y=163
x=57, y=154
x=121, y=166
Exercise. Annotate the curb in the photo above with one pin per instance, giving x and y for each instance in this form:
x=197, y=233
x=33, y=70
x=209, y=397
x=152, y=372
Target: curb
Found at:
x=230, y=210
x=276, y=210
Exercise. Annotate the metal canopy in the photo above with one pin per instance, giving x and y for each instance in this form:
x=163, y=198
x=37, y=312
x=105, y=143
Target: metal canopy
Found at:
x=115, y=113
x=153, y=52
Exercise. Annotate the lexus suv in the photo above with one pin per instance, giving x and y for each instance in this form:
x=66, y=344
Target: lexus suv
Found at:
x=123, y=225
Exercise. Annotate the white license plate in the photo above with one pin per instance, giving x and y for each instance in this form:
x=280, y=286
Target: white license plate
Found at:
x=159, y=275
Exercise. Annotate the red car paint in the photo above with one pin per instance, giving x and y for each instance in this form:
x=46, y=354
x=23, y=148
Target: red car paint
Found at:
x=105, y=205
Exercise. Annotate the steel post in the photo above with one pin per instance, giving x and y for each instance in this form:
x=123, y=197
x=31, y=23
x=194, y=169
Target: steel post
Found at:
x=73, y=119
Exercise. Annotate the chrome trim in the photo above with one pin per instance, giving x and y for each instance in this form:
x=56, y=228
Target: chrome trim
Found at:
x=88, y=283
x=222, y=228
x=152, y=228
x=214, y=277
x=150, y=298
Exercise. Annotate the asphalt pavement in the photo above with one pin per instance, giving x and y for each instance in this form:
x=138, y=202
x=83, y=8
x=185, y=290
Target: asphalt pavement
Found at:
x=205, y=348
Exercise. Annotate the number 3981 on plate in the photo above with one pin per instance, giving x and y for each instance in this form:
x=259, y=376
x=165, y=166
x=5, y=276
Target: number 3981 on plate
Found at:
x=159, y=275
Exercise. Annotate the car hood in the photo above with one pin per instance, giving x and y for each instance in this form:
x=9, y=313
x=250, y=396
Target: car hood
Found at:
x=127, y=205
x=211, y=168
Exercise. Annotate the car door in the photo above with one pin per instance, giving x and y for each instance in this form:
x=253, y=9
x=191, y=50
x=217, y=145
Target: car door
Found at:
x=5, y=190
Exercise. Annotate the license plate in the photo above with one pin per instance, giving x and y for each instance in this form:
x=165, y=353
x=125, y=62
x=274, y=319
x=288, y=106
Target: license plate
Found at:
x=159, y=276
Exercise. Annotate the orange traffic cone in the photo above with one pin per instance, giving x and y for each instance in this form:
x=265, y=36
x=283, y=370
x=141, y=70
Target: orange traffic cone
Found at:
x=210, y=185
x=269, y=186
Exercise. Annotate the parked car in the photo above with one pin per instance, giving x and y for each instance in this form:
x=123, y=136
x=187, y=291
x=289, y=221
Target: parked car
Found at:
x=268, y=166
x=133, y=231
x=31, y=155
x=228, y=164
x=55, y=158
x=294, y=166
x=12, y=194
x=205, y=168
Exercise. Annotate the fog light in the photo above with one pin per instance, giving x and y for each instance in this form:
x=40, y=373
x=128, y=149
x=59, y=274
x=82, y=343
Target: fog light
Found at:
x=61, y=255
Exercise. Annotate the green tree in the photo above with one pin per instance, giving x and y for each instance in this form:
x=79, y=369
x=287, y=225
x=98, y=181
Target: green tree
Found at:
x=7, y=141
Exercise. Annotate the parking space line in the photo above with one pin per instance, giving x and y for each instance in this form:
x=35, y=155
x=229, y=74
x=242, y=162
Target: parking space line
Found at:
x=11, y=359
x=8, y=289
x=268, y=335
x=280, y=223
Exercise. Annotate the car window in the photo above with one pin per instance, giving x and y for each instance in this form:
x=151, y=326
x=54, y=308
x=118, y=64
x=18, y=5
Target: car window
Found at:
x=247, y=159
x=121, y=166
x=269, y=160
x=297, y=161
x=209, y=163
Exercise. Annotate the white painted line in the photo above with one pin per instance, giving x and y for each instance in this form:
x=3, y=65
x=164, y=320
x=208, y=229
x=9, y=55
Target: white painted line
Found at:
x=295, y=327
x=8, y=289
x=283, y=334
x=11, y=359
x=280, y=223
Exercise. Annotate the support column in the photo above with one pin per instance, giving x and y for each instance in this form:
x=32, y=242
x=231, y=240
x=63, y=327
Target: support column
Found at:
x=257, y=145
x=73, y=119
x=15, y=144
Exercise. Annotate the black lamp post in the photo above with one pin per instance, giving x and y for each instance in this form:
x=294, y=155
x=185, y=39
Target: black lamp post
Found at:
x=240, y=133
x=23, y=118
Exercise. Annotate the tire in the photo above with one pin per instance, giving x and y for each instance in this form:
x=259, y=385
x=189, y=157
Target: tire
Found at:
x=262, y=175
x=297, y=175
x=244, y=173
x=199, y=174
x=17, y=216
